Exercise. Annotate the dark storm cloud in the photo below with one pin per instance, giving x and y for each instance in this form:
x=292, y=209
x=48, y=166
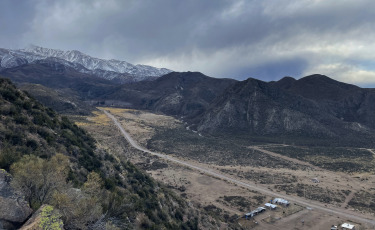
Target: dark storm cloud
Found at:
x=272, y=70
x=14, y=18
x=264, y=39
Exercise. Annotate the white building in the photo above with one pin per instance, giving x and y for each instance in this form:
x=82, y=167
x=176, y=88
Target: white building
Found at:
x=271, y=206
x=280, y=201
x=254, y=212
x=346, y=226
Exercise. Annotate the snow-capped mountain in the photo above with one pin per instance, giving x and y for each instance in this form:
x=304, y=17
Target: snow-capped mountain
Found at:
x=121, y=71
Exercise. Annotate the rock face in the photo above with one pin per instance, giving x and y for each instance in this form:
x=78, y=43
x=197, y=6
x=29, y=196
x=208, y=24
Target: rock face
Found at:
x=14, y=210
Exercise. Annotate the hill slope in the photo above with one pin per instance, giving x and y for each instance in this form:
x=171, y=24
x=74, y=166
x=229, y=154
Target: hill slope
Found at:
x=184, y=94
x=57, y=86
x=313, y=107
x=90, y=188
x=347, y=102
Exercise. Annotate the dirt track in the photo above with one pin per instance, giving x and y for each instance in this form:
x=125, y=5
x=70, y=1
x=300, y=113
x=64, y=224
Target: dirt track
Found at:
x=301, y=201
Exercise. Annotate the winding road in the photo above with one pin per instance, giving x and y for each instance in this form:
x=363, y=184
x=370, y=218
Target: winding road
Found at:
x=308, y=203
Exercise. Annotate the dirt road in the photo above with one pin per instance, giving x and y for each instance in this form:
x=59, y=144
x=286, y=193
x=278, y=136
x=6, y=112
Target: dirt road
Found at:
x=301, y=201
x=371, y=151
x=284, y=157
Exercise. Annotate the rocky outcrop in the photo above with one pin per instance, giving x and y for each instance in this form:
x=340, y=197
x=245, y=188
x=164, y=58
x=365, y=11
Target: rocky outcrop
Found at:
x=14, y=210
x=45, y=215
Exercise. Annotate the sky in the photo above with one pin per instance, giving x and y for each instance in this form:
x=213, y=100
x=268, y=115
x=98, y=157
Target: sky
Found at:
x=263, y=39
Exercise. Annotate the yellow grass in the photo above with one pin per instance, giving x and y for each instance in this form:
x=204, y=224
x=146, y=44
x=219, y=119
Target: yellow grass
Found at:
x=98, y=119
x=80, y=124
x=116, y=110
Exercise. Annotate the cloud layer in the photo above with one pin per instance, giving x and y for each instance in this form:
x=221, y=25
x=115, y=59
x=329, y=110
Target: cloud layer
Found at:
x=238, y=39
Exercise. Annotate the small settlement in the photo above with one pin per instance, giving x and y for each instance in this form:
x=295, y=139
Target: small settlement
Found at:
x=276, y=202
x=272, y=206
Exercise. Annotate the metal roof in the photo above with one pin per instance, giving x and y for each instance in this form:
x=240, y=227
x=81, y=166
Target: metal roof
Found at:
x=348, y=226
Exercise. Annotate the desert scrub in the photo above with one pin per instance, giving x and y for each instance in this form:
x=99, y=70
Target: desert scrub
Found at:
x=242, y=203
x=219, y=150
x=313, y=192
x=50, y=219
x=363, y=200
x=331, y=158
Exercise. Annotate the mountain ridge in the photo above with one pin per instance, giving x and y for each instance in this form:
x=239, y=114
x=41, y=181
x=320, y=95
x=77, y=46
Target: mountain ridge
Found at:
x=122, y=71
x=254, y=107
x=179, y=94
x=315, y=107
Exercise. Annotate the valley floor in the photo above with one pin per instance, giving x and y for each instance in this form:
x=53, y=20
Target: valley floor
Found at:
x=228, y=189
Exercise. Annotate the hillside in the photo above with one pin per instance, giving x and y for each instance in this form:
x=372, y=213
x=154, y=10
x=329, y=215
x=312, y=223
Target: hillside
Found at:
x=57, y=76
x=312, y=110
x=316, y=108
x=347, y=102
x=63, y=101
x=54, y=162
x=184, y=94
x=57, y=86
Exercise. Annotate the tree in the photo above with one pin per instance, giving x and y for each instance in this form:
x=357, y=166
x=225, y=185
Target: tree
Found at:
x=93, y=185
x=38, y=179
x=81, y=208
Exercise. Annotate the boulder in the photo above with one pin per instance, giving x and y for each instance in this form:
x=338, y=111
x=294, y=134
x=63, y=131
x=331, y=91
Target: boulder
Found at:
x=14, y=210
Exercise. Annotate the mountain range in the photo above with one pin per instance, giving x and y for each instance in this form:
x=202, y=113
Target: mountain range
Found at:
x=115, y=70
x=313, y=110
x=315, y=107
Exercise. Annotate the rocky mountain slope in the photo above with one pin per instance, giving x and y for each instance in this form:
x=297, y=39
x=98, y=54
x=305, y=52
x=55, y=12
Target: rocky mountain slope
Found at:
x=118, y=71
x=181, y=94
x=64, y=101
x=314, y=107
x=347, y=102
x=58, y=86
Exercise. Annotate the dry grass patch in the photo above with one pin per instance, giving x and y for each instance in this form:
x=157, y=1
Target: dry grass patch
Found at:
x=98, y=119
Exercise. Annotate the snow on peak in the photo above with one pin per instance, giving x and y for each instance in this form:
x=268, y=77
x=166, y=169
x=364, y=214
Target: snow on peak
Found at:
x=91, y=63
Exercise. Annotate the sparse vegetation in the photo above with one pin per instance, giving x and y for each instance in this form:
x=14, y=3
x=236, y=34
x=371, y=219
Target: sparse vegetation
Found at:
x=244, y=204
x=331, y=158
x=313, y=192
x=363, y=200
x=263, y=177
x=210, y=149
